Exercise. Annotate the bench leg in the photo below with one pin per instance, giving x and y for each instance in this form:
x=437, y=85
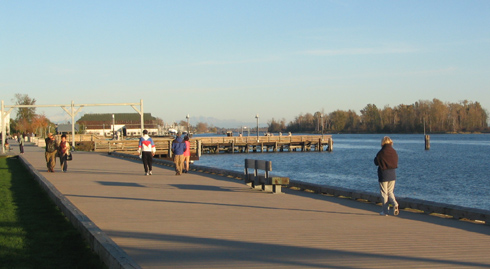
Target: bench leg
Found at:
x=256, y=185
x=276, y=189
x=267, y=188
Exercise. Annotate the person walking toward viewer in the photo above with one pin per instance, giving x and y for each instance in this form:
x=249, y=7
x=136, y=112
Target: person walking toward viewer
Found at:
x=147, y=149
x=21, y=143
x=187, y=154
x=64, y=150
x=51, y=150
x=387, y=162
x=178, y=149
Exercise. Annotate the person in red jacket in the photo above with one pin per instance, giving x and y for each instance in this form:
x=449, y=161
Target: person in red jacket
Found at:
x=187, y=154
x=387, y=162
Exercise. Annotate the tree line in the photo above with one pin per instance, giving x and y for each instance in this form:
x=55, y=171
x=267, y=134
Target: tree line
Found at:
x=27, y=121
x=430, y=116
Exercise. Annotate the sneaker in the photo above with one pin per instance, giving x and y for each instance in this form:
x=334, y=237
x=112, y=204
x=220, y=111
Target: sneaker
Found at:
x=383, y=214
x=396, y=211
x=146, y=174
x=150, y=173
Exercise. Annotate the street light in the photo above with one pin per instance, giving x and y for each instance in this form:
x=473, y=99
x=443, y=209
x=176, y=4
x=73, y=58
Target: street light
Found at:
x=257, y=117
x=187, y=117
x=321, y=118
x=113, y=127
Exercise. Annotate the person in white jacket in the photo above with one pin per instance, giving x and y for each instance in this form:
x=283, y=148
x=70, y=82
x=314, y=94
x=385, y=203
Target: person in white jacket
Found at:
x=147, y=149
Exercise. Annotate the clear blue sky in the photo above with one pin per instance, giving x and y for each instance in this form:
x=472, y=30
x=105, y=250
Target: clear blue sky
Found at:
x=230, y=60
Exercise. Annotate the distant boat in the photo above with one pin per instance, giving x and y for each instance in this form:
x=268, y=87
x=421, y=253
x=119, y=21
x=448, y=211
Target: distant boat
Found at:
x=172, y=131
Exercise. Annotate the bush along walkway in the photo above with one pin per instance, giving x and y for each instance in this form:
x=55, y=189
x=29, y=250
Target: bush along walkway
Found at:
x=33, y=232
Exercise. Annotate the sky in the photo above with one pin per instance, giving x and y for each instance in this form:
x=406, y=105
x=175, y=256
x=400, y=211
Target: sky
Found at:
x=226, y=61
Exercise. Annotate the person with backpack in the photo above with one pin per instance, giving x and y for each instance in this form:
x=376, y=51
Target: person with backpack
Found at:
x=147, y=149
x=178, y=149
x=51, y=151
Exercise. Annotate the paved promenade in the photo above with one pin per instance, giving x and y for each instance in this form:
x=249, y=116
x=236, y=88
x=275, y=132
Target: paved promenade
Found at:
x=200, y=220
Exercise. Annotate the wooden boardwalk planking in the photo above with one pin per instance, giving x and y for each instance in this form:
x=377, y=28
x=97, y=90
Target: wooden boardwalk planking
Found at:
x=207, y=221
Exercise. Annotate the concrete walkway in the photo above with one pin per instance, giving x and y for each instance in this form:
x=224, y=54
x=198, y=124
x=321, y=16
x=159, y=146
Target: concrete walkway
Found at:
x=205, y=221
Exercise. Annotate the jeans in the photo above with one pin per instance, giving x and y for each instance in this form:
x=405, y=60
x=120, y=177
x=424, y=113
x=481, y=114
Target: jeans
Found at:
x=63, y=162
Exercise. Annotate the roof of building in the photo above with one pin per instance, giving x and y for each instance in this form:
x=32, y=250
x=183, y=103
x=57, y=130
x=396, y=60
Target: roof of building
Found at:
x=117, y=116
x=66, y=128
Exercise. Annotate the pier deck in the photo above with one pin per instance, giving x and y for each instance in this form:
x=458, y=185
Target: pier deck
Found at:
x=206, y=221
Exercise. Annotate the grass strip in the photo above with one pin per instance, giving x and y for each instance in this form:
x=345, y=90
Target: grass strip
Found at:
x=33, y=231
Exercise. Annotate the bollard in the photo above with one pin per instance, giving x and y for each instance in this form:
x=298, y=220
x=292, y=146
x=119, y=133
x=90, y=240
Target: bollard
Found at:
x=427, y=142
x=330, y=144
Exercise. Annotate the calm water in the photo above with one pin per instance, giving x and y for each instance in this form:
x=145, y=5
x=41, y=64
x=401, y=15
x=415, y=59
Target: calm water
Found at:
x=455, y=170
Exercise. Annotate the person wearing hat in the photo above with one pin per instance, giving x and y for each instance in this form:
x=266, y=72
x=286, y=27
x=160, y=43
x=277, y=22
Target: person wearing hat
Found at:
x=178, y=149
x=51, y=150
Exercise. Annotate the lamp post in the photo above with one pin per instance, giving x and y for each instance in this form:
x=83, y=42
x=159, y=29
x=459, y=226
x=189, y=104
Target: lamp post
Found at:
x=187, y=117
x=321, y=119
x=113, y=127
x=257, y=117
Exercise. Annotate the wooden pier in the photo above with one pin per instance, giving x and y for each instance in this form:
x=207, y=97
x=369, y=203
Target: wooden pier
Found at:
x=266, y=144
x=216, y=145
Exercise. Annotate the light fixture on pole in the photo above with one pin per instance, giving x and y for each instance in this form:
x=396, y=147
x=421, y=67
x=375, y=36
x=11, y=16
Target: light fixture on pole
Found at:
x=113, y=127
x=257, y=117
x=321, y=119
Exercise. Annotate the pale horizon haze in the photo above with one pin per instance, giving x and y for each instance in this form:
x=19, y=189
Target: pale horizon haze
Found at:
x=230, y=60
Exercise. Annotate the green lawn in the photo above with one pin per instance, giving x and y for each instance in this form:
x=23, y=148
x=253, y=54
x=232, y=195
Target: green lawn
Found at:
x=33, y=231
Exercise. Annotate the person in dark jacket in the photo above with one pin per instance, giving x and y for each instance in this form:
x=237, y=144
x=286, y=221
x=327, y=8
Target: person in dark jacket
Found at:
x=178, y=149
x=387, y=162
x=51, y=151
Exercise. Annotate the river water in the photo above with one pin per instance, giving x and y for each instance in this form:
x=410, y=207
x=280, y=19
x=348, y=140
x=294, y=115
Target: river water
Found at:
x=456, y=169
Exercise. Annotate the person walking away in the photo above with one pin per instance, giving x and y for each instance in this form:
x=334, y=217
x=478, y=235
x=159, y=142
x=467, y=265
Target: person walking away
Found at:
x=64, y=150
x=187, y=154
x=51, y=150
x=7, y=145
x=387, y=162
x=21, y=144
x=178, y=149
x=147, y=149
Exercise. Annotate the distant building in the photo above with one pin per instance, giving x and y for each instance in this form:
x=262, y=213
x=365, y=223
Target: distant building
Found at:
x=125, y=124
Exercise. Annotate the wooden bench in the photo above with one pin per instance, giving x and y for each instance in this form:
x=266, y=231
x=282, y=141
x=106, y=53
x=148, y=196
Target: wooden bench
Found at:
x=263, y=182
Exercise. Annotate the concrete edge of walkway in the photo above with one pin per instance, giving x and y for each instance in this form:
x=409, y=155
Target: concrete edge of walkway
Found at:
x=109, y=252
x=428, y=207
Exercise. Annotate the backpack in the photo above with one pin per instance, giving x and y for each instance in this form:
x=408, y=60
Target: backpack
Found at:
x=51, y=147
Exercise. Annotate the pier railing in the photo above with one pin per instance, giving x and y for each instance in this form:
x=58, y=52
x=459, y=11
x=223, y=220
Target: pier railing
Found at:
x=203, y=145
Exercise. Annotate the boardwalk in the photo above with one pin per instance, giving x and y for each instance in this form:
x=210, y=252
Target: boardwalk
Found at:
x=205, y=221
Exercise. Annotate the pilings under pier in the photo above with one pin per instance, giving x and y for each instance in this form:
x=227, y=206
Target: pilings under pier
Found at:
x=309, y=143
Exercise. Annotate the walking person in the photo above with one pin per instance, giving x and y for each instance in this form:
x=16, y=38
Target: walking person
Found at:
x=178, y=149
x=64, y=150
x=51, y=150
x=147, y=149
x=7, y=145
x=21, y=144
x=187, y=154
x=387, y=162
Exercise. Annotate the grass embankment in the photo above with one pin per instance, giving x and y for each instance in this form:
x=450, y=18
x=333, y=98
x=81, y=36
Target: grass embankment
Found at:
x=33, y=231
